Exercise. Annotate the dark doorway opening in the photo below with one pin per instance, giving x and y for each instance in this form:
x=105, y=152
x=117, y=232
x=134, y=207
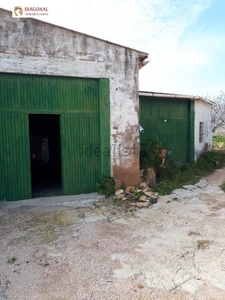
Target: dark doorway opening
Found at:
x=45, y=155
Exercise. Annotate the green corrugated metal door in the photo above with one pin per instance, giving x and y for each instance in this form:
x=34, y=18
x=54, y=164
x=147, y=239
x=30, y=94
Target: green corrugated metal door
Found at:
x=164, y=133
x=2, y=159
x=15, y=156
x=80, y=152
x=167, y=121
x=173, y=134
x=181, y=139
x=83, y=109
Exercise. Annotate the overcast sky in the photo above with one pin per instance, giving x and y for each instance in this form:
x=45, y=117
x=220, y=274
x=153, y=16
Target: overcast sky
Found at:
x=185, y=39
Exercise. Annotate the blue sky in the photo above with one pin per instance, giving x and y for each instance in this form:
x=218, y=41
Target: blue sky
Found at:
x=185, y=39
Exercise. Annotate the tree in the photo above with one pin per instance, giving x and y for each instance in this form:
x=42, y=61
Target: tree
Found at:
x=218, y=110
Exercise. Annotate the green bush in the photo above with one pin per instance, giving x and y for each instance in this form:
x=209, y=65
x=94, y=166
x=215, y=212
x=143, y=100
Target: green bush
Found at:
x=106, y=186
x=222, y=186
x=169, y=171
x=215, y=159
x=149, y=155
x=165, y=187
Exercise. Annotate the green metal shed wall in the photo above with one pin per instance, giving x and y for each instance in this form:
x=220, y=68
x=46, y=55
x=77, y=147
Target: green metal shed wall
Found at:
x=15, y=156
x=83, y=106
x=168, y=121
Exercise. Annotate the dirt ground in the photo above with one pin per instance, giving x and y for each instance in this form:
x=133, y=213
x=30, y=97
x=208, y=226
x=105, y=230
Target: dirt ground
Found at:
x=175, y=249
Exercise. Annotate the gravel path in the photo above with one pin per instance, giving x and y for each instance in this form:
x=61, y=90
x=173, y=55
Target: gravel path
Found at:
x=174, y=249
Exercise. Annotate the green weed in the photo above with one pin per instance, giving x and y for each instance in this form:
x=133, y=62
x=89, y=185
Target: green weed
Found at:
x=222, y=186
x=106, y=186
x=149, y=155
x=11, y=260
x=174, y=199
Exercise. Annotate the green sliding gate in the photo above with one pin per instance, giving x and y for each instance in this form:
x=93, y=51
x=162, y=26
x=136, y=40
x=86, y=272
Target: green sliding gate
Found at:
x=169, y=122
x=84, y=114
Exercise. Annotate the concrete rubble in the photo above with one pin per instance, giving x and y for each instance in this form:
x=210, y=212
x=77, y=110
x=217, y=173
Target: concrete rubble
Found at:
x=138, y=197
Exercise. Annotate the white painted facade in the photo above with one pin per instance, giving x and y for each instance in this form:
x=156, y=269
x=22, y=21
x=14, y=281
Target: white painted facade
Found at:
x=30, y=46
x=202, y=115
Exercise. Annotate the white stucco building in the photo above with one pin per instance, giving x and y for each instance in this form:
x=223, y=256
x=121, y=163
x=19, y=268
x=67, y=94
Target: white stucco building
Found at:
x=203, y=127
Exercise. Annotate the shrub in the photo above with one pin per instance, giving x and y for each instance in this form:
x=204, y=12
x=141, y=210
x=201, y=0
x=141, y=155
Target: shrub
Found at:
x=211, y=160
x=106, y=186
x=149, y=155
x=174, y=175
x=222, y=186
x=170, y=169
x=165, y=187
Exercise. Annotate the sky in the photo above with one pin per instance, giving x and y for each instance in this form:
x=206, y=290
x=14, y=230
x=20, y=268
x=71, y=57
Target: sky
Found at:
x=185, y=39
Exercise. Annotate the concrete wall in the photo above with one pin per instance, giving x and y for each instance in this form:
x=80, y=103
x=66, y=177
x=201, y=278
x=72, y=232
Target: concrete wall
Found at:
x=33, y=47
x=203, y=114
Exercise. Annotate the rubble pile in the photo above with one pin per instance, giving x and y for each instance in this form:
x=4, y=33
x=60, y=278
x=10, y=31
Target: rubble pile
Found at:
x=140, y=197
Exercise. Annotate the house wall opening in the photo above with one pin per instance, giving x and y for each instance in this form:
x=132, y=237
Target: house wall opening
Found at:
x=45, y=154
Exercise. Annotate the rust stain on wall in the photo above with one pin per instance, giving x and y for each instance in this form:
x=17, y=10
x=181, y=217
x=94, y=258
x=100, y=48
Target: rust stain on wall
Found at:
x=125, y=154
x=128, y=176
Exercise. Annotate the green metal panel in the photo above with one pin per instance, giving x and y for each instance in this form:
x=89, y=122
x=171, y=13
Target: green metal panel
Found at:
x=180, y=140
x=15, y=156
x=83, y=106
x=164, y=133
x=191, y=146
x=104, y=103
x=168, y=122
x=163, y=108
x=2, y=160
x=80, y=150
x=44, y=94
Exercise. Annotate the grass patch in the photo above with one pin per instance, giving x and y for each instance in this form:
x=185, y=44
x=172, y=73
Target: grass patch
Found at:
x=43, y=228
x=218, y=142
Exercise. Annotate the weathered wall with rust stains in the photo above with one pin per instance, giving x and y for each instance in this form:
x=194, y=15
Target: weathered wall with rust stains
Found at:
x=34, y=47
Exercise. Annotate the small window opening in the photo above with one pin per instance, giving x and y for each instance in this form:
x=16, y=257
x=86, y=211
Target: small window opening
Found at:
x=201, y=132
